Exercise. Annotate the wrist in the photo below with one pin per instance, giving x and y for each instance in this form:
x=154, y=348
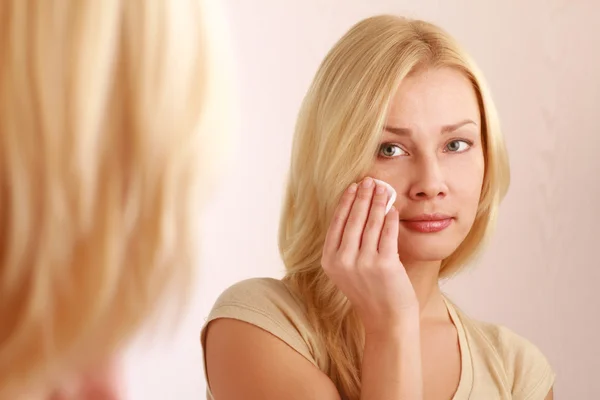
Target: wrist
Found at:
x=409, y=324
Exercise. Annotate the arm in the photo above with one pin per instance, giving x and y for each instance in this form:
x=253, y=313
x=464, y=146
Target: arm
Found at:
x=246, y=362
x=550, y=395
x=391, y=366
x=361, y=257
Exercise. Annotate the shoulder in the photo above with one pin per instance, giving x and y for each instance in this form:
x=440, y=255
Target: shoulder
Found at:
x=270, y=305
x=256, y=292
x=526, y=367
x=257, y=343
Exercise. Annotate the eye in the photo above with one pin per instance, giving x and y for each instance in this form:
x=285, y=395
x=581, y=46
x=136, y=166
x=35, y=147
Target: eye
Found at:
x=458, y=146
x=389, y=150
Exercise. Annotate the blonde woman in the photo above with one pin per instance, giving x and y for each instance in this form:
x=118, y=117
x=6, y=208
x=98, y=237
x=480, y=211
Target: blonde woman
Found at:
x=103, y=113
x=360, y=314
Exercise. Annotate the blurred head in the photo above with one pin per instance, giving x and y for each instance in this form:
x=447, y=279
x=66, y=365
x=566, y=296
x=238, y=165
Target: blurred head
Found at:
x=399, y=100
x=431, y=152
x=103, y=144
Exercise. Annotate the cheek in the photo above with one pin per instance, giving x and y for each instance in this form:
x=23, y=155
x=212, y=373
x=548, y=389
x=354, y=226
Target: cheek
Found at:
x=467, y=187
x=395, y=174
x=465, y=180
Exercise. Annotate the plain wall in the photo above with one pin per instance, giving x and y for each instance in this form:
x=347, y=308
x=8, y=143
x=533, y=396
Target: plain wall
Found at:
x=540, y=273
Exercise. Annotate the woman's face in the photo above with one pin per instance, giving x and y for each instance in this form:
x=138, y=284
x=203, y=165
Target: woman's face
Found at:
x=431, y=153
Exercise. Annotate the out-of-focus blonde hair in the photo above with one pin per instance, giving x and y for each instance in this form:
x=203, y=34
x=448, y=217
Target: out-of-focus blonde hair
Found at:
x=337, y=135
x=103, y=143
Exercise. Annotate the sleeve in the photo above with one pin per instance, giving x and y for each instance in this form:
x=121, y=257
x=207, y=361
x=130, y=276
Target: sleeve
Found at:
x=266, y=304
x=532, y=374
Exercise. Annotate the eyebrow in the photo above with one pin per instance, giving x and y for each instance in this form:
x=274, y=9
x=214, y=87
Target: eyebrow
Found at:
x=445, y=129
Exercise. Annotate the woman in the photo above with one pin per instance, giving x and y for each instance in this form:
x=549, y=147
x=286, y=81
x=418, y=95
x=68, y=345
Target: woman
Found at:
x=103, y=134
x=360, y=314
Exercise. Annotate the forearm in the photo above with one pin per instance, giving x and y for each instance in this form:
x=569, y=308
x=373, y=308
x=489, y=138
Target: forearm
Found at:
x=391, y=367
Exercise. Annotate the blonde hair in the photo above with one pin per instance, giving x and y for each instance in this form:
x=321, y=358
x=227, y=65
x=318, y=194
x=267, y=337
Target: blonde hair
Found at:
x=103, y=141
x=337, y=134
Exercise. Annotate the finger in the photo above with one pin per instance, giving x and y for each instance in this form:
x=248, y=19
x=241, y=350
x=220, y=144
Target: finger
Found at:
x=358, y=216
x=375, y=220
x=388, y=242
x=338, y=222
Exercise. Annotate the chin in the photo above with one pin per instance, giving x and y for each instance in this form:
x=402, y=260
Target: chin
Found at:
x=418, y=248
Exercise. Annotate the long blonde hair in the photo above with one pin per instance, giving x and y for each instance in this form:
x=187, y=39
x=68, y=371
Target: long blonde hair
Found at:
x=102, y=144
x=337, y=134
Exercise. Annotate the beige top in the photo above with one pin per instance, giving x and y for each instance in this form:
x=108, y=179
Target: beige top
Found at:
x=496, y=362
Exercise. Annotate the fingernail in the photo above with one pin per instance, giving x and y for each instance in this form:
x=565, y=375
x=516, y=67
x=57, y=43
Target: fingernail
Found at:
x=352, y=188
x=367, y=182
x=379, y=189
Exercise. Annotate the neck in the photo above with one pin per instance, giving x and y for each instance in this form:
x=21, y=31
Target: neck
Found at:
x=424, y=276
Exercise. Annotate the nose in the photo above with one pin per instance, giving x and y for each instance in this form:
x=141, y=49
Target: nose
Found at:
x=429, y=181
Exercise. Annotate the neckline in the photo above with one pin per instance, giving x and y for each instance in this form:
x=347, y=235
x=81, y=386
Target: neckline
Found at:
x=465, y=382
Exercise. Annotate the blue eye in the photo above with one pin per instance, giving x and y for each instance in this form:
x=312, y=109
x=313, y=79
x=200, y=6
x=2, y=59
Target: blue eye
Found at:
x=389, y=150
x=458, y=146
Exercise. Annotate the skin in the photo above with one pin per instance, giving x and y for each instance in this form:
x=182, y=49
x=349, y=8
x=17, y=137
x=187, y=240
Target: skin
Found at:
x=103, y=382
x=431, y=153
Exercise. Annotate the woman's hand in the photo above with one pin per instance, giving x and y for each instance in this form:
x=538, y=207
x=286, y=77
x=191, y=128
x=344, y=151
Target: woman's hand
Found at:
x=360, y=256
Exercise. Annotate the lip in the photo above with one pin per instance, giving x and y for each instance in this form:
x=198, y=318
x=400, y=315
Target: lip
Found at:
x=428, y=223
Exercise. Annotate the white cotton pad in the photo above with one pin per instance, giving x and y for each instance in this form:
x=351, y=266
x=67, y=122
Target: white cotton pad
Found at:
x=391, y=194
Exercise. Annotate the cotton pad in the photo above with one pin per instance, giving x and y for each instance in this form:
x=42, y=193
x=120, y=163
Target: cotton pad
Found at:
x=391, y=194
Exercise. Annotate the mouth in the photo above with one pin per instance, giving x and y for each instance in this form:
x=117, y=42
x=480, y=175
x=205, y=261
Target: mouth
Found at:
x=427, y=223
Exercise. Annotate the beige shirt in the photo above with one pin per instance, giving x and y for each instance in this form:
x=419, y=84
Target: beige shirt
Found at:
x=496, y=362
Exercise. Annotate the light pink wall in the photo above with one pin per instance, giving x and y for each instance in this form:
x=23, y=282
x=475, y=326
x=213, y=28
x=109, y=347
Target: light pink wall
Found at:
x=541, y=272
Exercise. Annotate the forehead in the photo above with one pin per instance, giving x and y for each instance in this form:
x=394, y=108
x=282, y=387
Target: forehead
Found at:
x=431, y=98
